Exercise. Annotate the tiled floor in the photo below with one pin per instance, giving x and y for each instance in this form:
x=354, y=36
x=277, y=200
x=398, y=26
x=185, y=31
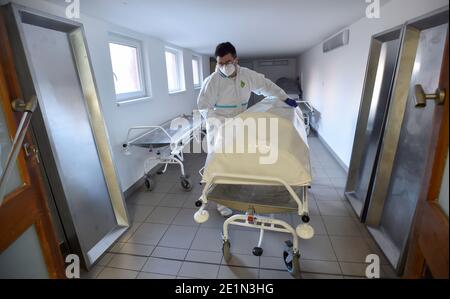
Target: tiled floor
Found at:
x=165, y=242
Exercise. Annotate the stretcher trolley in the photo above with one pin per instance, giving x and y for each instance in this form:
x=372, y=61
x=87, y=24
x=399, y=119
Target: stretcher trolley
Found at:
x=308, y=114
x=261, y=190
x=165, y=144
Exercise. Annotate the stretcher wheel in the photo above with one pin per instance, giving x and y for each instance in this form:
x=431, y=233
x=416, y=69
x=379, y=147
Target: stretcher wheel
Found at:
x=226, y=251
x=149, y=184
x=186, y=184
x=291, y=260
x=257, y=251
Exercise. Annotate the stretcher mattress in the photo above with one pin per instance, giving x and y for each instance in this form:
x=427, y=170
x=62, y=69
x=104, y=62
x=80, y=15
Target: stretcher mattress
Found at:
x=292, y=163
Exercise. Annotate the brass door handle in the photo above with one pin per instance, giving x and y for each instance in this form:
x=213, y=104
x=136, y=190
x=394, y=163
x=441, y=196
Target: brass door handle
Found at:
x=422, y=97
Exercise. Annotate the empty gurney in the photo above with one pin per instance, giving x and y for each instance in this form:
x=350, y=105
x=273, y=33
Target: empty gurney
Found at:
x=165, y=144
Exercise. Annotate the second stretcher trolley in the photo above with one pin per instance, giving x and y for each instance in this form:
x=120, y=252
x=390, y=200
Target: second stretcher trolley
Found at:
x=165, y=144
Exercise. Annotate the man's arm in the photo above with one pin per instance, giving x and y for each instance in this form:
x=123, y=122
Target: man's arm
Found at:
x=207, y=98
x=263, y=86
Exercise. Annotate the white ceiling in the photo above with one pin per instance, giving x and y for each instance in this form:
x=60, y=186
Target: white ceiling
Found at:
x=258, y=28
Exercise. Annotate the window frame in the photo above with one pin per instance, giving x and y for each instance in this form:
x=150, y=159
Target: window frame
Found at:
x=200, y=71
x=180, y=69
x=119, y=39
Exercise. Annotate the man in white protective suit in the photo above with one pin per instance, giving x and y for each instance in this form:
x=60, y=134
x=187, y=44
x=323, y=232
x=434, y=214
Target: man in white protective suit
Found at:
x=226, y=92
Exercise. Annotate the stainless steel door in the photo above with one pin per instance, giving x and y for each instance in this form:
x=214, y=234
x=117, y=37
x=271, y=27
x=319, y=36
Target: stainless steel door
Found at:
x=395, y=193
x=70, y=131
x=374, y=106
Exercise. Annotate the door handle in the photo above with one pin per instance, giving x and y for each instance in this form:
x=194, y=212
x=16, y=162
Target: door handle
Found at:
x=421, y=97
x=27, y=108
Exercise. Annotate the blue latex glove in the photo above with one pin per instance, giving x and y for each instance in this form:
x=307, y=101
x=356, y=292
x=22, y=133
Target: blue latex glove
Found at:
x=291, y=102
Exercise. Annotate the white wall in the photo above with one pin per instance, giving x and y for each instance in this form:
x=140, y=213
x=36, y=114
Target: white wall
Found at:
x=273, y=72
x=160, y=108
x=333, y=81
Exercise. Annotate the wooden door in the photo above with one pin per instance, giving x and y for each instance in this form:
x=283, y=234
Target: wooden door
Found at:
x=24, y=214
x=429, y=250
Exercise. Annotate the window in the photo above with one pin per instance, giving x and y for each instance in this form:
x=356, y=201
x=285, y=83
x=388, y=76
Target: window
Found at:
x=127, y=66
x=175, y=71
x=197, y=71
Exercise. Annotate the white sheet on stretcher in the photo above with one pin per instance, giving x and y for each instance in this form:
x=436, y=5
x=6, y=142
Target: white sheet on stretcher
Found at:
x=293, y=163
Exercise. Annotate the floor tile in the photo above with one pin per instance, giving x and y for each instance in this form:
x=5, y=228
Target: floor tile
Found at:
x=325, y=193
x=317, y=248
x=178, y=236
x=174, y=200
x=114, y=273
x=312, y=206
x=136, y=249
x=242, y=261
x=162, y=187
x=148, y=234
x=105, y=259
x=332, y=208
x=229, y=272
x=324, y=267
x=146, y=198
x=138, y=213
x=170, y=253
x=273, y=263
x=335, y=172
x=353, y=269
x=209, y=239
x=349, y=249
x=204, y=256
x=128, y=262
x=185, y=217
x=341, y=226
x=162, y=266
x=198, y=270
x=339, y=182
x=163, y=215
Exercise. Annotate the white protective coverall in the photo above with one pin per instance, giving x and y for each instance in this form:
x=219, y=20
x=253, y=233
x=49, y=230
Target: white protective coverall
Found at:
x=222, y=97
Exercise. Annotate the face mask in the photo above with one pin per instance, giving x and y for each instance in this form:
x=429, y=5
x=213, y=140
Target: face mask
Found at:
x=227, y=69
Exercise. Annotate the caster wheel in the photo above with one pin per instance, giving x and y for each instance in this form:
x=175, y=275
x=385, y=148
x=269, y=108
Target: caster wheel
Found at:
x=257, y=251
x=305, y=219
x=292, y=261
x=159, y=172
x=186, y=184
x=201, y=216
x=198, y=203
x=226, y=251
x=149, y=184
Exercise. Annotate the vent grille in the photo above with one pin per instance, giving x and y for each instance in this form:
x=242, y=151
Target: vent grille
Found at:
x=273, y=62
x=337, y=41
